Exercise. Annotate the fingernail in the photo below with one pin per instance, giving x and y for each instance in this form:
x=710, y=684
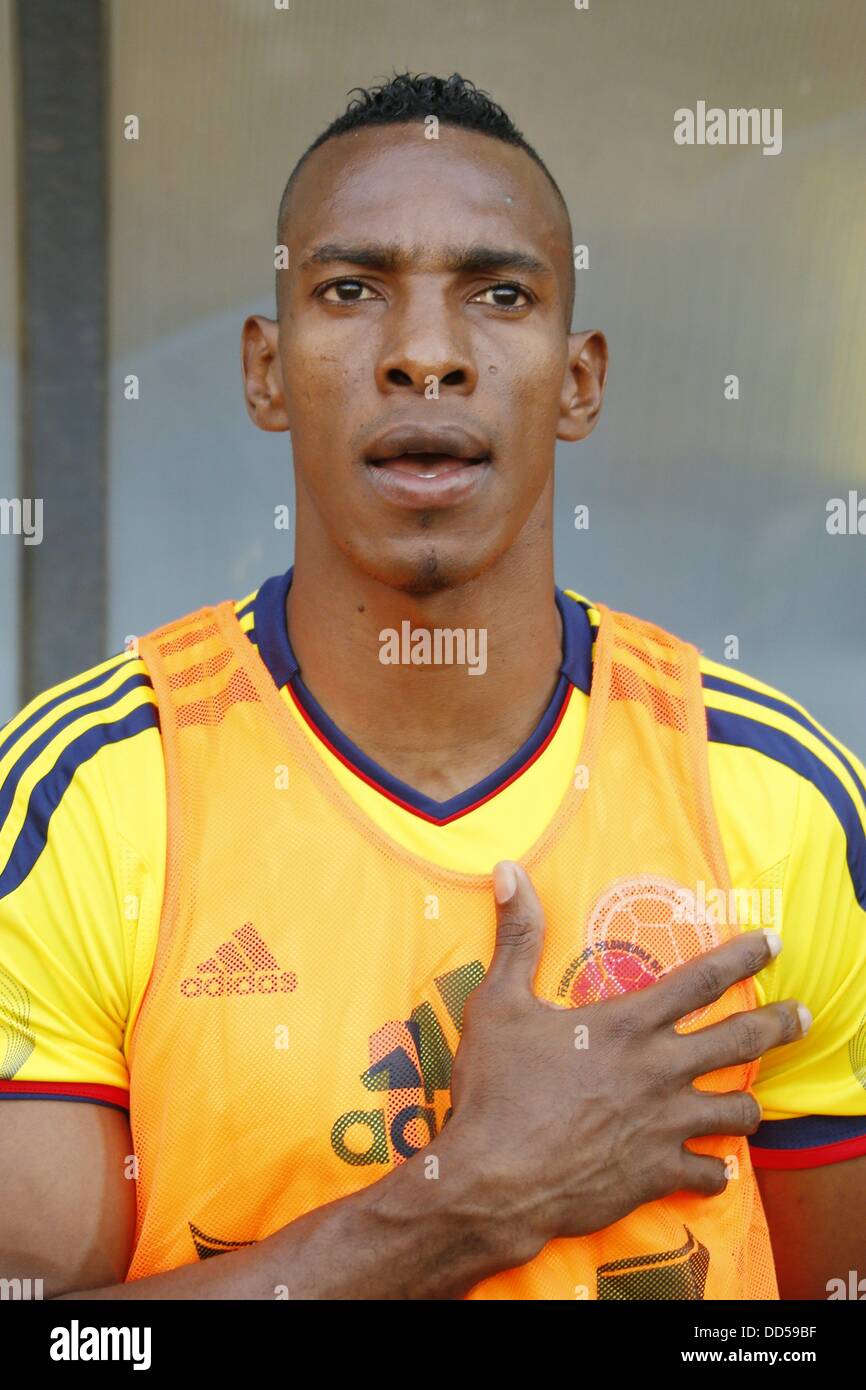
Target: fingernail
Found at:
x=504, y=882
x=774, y=942
x=805, y=1018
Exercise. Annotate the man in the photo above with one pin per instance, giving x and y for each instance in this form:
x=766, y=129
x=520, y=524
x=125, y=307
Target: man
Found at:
x=246, y=868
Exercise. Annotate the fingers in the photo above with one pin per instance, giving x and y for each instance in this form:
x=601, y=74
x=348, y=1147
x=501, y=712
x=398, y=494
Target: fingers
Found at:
x=744, y=1037
x=519, y=928
x=722, y=1112
x=704, y=980
x=703, y=1174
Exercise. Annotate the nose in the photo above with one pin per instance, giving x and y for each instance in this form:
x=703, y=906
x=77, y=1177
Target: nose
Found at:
x=426, y=342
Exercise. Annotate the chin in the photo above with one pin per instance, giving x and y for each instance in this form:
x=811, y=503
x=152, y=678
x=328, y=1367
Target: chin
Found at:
x=428, y=570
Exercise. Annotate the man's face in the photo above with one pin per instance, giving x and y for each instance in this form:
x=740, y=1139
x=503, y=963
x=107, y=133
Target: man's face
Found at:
x=423, y=360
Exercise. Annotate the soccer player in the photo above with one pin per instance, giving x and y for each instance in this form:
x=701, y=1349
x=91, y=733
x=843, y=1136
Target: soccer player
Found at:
x=261, y=999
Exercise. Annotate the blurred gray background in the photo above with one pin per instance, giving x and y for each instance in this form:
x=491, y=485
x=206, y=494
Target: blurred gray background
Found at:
x=706, y=515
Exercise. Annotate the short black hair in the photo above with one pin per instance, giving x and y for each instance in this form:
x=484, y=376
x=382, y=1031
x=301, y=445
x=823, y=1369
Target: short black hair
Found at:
x=409, y=97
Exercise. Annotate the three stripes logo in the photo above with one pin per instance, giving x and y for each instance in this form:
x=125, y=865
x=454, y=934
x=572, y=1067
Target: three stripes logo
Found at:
x=242, y=965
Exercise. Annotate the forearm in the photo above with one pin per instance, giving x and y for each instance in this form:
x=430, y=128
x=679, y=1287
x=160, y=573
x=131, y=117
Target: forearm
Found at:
x=408, y=1236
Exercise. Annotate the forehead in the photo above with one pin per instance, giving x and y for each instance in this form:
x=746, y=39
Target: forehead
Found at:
x=392, y=184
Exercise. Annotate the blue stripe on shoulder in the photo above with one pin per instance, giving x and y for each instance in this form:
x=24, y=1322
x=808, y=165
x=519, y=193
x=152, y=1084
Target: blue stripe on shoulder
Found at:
x=33, y=750
x=48, y=792
x=807, y=1131
x=742, y=732
x=781, y=706
x=64, y=695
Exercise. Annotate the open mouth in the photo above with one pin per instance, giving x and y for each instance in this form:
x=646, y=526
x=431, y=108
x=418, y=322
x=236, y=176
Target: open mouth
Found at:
x=420, y=465
x=424, y=465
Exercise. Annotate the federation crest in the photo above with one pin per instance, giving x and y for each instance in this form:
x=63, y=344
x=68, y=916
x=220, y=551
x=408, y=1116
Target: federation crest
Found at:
x=639, y=929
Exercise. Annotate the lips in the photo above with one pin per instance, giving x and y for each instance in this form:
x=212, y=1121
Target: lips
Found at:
x=426, y=466
x=435, y=445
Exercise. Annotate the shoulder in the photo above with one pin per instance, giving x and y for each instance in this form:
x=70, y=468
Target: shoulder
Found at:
x=767, y=747
x=781, y=781
x=745, y=712
x=774, y=741
x=81, y=829
x=97, y=733
x=82, y=864
x=87, y=749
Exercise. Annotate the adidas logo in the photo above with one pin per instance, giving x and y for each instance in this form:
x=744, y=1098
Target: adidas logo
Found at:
x=242, y=965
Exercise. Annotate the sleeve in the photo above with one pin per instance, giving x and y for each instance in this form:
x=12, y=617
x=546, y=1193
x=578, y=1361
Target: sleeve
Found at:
x=70, y=888
x=814, y=1091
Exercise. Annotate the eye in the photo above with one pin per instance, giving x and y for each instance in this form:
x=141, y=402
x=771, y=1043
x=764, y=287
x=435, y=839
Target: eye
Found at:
x=346, y=291
x=504, y=296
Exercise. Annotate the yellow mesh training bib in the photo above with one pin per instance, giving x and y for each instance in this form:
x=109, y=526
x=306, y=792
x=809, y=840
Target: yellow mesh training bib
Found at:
x=296, y=1037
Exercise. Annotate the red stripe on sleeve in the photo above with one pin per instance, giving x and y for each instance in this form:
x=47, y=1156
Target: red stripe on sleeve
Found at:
x=810, y=1158
x=111, y=1095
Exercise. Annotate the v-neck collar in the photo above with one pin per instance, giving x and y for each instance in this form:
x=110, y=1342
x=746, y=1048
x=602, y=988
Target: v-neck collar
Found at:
x=272, y=639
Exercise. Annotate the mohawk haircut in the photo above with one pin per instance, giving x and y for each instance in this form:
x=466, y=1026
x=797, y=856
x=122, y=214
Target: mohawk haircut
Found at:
x=411, y=97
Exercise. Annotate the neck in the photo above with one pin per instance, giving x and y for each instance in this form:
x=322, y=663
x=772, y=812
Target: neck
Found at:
x=435, y=726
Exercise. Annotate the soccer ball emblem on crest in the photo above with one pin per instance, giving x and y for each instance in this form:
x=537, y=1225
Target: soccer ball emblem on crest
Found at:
x=638, y=929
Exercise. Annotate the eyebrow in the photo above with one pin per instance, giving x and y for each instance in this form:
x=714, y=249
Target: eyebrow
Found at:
x=476, y=259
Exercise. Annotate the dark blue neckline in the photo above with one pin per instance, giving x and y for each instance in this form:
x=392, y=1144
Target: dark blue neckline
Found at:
x=272, y=638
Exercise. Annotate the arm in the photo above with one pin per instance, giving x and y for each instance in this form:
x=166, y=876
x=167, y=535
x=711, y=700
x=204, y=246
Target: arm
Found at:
x=69, y=1217
x=68, y=1212
x=817, y=1221
x=810, y=1152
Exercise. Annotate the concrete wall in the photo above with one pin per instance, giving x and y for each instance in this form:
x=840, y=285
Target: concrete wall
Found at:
x=705, y=514
x=10, y=546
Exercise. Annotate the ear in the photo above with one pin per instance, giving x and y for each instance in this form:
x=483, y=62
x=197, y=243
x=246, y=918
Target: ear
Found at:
x=263, y=377
x=583, y=385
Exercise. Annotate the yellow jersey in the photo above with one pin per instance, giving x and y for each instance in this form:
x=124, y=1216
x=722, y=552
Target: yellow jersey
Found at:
x=83, y=860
